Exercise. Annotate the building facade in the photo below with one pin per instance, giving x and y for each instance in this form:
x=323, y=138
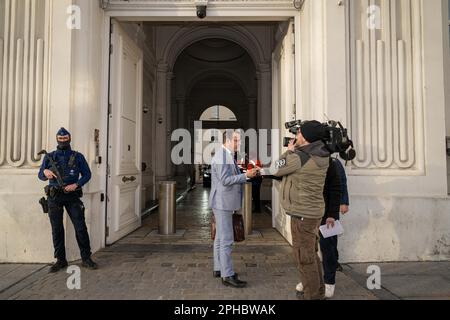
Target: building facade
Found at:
x=122, y=75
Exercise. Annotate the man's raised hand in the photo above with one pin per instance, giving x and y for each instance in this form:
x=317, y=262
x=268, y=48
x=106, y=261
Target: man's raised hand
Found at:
x=252, y=173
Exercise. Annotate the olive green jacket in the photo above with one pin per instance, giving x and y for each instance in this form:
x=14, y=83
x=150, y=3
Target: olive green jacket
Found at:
x=303, y=172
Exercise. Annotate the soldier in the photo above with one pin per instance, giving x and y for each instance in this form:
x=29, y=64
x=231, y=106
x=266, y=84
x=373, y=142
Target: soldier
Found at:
x=66, y=193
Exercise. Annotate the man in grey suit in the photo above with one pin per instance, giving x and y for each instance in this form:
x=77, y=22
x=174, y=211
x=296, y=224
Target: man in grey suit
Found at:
x=225, y=199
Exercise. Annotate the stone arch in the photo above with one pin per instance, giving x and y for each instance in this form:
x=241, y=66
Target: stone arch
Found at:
x=202, y=74
x=190, y=35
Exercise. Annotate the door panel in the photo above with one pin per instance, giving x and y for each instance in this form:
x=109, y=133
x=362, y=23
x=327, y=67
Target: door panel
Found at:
x=283, y=86
x=128, y=147
x=129, y=68
x=127, y=205
x=125, y=123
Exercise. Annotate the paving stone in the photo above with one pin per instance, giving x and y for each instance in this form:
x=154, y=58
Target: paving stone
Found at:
x=144, y=266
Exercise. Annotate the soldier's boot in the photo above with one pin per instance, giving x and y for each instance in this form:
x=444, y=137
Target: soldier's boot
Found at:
x=89, y=264
x=60, y=264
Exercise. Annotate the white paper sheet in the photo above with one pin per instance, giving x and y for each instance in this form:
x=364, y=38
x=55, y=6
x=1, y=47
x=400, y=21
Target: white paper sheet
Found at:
x=331, y=232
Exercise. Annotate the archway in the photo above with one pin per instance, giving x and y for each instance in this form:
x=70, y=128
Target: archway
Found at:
x=200, y=66
x=188, y=36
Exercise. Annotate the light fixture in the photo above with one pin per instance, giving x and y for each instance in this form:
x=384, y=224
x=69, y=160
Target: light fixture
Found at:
x=202, y=7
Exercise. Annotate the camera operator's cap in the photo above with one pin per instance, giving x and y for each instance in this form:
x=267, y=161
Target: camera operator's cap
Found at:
x=312, y=131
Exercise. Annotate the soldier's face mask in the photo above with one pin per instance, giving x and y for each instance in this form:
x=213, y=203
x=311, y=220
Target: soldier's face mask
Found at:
x=63, y=142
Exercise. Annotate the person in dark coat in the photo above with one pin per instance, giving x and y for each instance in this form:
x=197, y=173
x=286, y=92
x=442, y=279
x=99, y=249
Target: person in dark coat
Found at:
x=256, y=185
x=332, y=195
x=345, y=202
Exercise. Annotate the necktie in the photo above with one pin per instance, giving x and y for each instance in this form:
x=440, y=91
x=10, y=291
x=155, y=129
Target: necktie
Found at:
x=236, y=165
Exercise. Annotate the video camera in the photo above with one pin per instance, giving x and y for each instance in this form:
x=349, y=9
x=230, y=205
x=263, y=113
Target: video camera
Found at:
x=335, y=138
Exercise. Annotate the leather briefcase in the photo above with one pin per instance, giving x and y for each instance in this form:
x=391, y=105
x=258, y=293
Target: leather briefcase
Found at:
x=238, y=228
x=213, y=227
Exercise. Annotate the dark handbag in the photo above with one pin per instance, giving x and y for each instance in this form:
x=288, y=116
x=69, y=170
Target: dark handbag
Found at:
x=213, y=227
x=238, y=228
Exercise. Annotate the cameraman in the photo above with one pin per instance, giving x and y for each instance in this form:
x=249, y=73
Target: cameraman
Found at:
x=304, y=168
x=332, y=195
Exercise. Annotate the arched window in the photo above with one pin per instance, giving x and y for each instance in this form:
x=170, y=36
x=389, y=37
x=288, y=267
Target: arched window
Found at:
x=218, y=113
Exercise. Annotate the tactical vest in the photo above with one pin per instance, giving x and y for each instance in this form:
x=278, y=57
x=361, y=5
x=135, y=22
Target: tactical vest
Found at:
x=71, y=165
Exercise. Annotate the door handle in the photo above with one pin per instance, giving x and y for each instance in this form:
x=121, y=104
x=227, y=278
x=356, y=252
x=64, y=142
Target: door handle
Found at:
x=128, y=179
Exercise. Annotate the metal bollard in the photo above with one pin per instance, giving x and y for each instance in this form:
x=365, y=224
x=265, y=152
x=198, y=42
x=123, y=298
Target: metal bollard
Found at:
x=167, y=208
x=247, y=209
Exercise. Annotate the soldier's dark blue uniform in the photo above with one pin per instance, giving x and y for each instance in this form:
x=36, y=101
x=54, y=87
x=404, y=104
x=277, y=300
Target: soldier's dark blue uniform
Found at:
x=73, y=169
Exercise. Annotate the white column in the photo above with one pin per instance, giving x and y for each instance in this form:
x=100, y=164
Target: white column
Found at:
x=264, y=77
x=264, y=116
x=253, y=113
x=161, y=122
x=181, y=112
x=170, y=123
x=181, y=123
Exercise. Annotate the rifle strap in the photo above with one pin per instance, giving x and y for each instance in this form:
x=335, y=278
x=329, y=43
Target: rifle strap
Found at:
x=72, y=159
x=54, y=164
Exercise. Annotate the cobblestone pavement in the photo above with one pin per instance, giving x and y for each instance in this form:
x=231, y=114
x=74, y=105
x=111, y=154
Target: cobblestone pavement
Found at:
x=147, y=266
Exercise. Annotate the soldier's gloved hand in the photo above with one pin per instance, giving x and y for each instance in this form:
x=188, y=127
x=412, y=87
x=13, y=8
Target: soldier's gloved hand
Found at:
x=71, y=188
x=49, y=174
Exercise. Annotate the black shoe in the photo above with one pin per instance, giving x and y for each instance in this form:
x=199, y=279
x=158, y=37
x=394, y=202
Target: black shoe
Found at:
x=216, y=274
x=300, y=295
x=60, y=264
x=89, y=264
x=233, y=282
x=236, y=277
x=339, y=268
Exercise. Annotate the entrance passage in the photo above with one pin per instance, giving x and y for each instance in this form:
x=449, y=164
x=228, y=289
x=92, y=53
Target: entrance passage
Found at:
x=171, y=78
x=193, y=226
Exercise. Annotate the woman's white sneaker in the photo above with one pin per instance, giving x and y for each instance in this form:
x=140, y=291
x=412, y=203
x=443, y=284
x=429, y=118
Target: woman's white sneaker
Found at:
x=329, y=291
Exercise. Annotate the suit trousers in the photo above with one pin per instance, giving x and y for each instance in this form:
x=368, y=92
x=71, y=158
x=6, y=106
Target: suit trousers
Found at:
x=223, y=243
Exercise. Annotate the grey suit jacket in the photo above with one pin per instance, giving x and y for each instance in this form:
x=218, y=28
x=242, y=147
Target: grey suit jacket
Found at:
x=226, y=182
